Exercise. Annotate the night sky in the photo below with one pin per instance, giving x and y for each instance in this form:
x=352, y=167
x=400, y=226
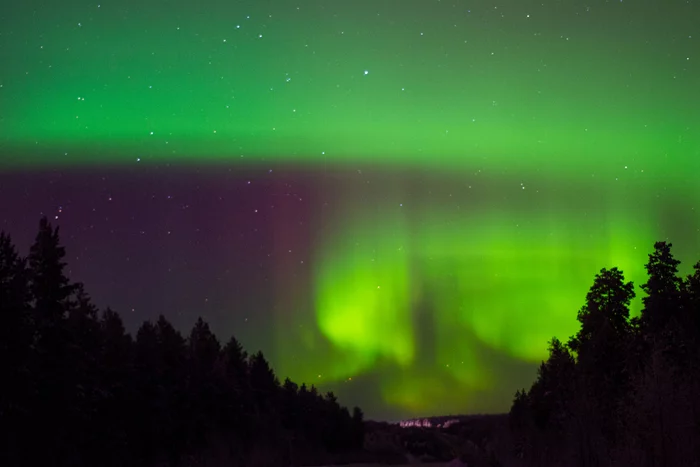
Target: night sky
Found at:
x=400, y=201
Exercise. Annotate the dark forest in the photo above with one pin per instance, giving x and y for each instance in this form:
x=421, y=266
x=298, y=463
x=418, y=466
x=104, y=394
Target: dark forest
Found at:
x=622, y=391
x=78, y=390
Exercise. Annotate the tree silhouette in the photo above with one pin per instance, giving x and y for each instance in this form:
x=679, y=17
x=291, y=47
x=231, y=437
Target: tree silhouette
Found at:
x=607, y=307
x=203, y=383
x=50, y=287
x=691, y=303
x=238, y=408
x=173, y=397
x=629, y=392
x=16, y=340
x=551, y=391
x=663, y=289
x=118, y=385
x=519, y=416
x=263, y=382
x=56, y=383
x=79, y=391
x=146, y=395
x=290, y=406
x=83, y=371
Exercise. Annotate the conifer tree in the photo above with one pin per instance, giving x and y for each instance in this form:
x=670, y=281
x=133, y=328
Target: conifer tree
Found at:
x=16, y=345
x=82, y=392
x=172, y=358
x=146, y=437
x=607, y=306
x=263, y=382
x=551, y=393
x=83, y=371
x=117, y=411
x=204, y=349
x=633, y=400
x=238, y=404
x=51, y=291
x=290, y=405
x=691, y=305
x=49, y=285
x=662, y=288
x=518, y=416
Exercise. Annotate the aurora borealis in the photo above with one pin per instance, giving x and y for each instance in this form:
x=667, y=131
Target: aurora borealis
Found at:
x=402, y=201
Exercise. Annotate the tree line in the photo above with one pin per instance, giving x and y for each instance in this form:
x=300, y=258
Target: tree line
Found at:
x=78, y=390
x=621, y=391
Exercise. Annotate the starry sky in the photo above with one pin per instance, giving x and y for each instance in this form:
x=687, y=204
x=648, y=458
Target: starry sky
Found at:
x=399, y=201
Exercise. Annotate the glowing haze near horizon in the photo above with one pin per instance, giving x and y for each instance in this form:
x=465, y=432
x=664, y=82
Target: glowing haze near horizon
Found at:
x=460, y=169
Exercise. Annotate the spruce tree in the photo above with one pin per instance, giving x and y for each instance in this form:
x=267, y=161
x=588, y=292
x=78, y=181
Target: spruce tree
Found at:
x=263, y=382
x=172, y=358
x=238, y=403
x=117, y=415
x=146, y=437
x=662, y=288
x=204, y=398
x=51, y=291
x=83, y=372
x=607, y=306
x=691, y=305
x=16, y=345
x=600, y=346
x=290, y=412
x=81, y=392
x=49, y=285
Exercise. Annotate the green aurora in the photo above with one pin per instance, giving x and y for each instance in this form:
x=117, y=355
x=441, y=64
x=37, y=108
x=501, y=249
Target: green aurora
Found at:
x=523, y=146
x=426, y=293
